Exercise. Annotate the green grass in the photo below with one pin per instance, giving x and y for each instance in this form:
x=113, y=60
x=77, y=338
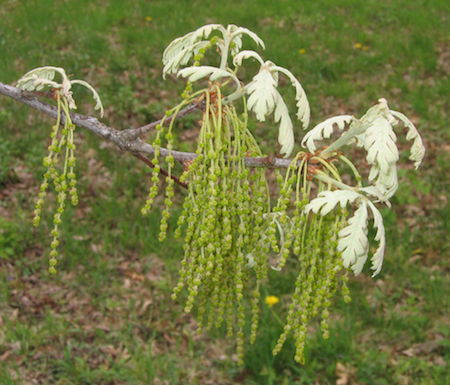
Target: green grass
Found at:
x=107, y=316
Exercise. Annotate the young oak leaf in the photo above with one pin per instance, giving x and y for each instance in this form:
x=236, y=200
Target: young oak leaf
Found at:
x=181, y=50
x=262, y=90
x=303, y=109
x=380, y=144
x=39, y=78
x=417, y=148
x=379, y=140
x=386, y=183
x=95, y=95
x=376, y=192
x=324, y=130
x=286, y=129
x=235, y=35
x=328, y=200
x=353, y=242
x=214, y=73
x=381, y=111
x=378, y=257
x=263, y=95
x=264, y=98
x=181, y=57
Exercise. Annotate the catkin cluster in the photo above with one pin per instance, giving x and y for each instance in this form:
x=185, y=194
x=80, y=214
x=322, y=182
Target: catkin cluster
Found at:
x=64, y=180
x=313, y=240
x=230, y=227
x=223, y=214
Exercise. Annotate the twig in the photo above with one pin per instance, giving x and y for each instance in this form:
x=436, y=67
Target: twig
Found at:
x=122, y=138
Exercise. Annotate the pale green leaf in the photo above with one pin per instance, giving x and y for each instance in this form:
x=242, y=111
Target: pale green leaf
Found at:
x=324, y=130
x=417, y=149
x=214, y=73
x=263, y=94
x=41, y=77
x=205, y=31
x=353, y=242
x=180, y=50
x=95, y=95
x=380, y=144
x=303, y=109
x=184, y=43
x=237, y=61
x=328, y=200
x=236, y=47
x=236, y=33
x=181, y=58
x=38, y=78
x=380, y=236
x=387, y=183
x=286, y=128
x=376, y=192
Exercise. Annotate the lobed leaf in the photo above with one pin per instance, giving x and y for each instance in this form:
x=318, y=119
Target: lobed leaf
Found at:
x=263, y=94
x=380, y=236
x=41, y=77
x=303, y=108
x=376, y=192
x=286, y=129
x=264, y=98
x=386, y=183
x=328, y=200
x=353, y=242
x=324, y=130
x=38, y=78
x=185, y=42
x=379, y=110
x=214, y=73
x=180, y=50
x=205, y=31
x=181, y=58
x=237, y=61
x=236, y=32
x=380, y=144
x=95, y=95
x=417, y=149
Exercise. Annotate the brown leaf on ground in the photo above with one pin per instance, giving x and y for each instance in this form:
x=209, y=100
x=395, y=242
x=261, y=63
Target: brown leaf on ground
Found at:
x=345, y=374
x=423, y=348
x=5, y=356
x=134, y=276
x=110, y=350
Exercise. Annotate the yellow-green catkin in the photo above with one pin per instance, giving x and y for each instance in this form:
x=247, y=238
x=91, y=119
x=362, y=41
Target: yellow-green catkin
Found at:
x=223, y=212
x=63, y=178
x=313, y=241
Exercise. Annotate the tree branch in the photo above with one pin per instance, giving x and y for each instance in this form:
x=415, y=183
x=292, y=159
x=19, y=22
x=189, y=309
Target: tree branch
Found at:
x=126, y=140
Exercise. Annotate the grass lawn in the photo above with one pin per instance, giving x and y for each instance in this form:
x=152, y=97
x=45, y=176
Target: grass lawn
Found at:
x=107, y=316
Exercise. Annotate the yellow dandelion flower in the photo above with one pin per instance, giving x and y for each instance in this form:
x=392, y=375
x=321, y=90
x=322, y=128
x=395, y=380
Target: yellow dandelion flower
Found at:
x=148, y=18
x=271, y=300
x=301, y=51
x=358, y=45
